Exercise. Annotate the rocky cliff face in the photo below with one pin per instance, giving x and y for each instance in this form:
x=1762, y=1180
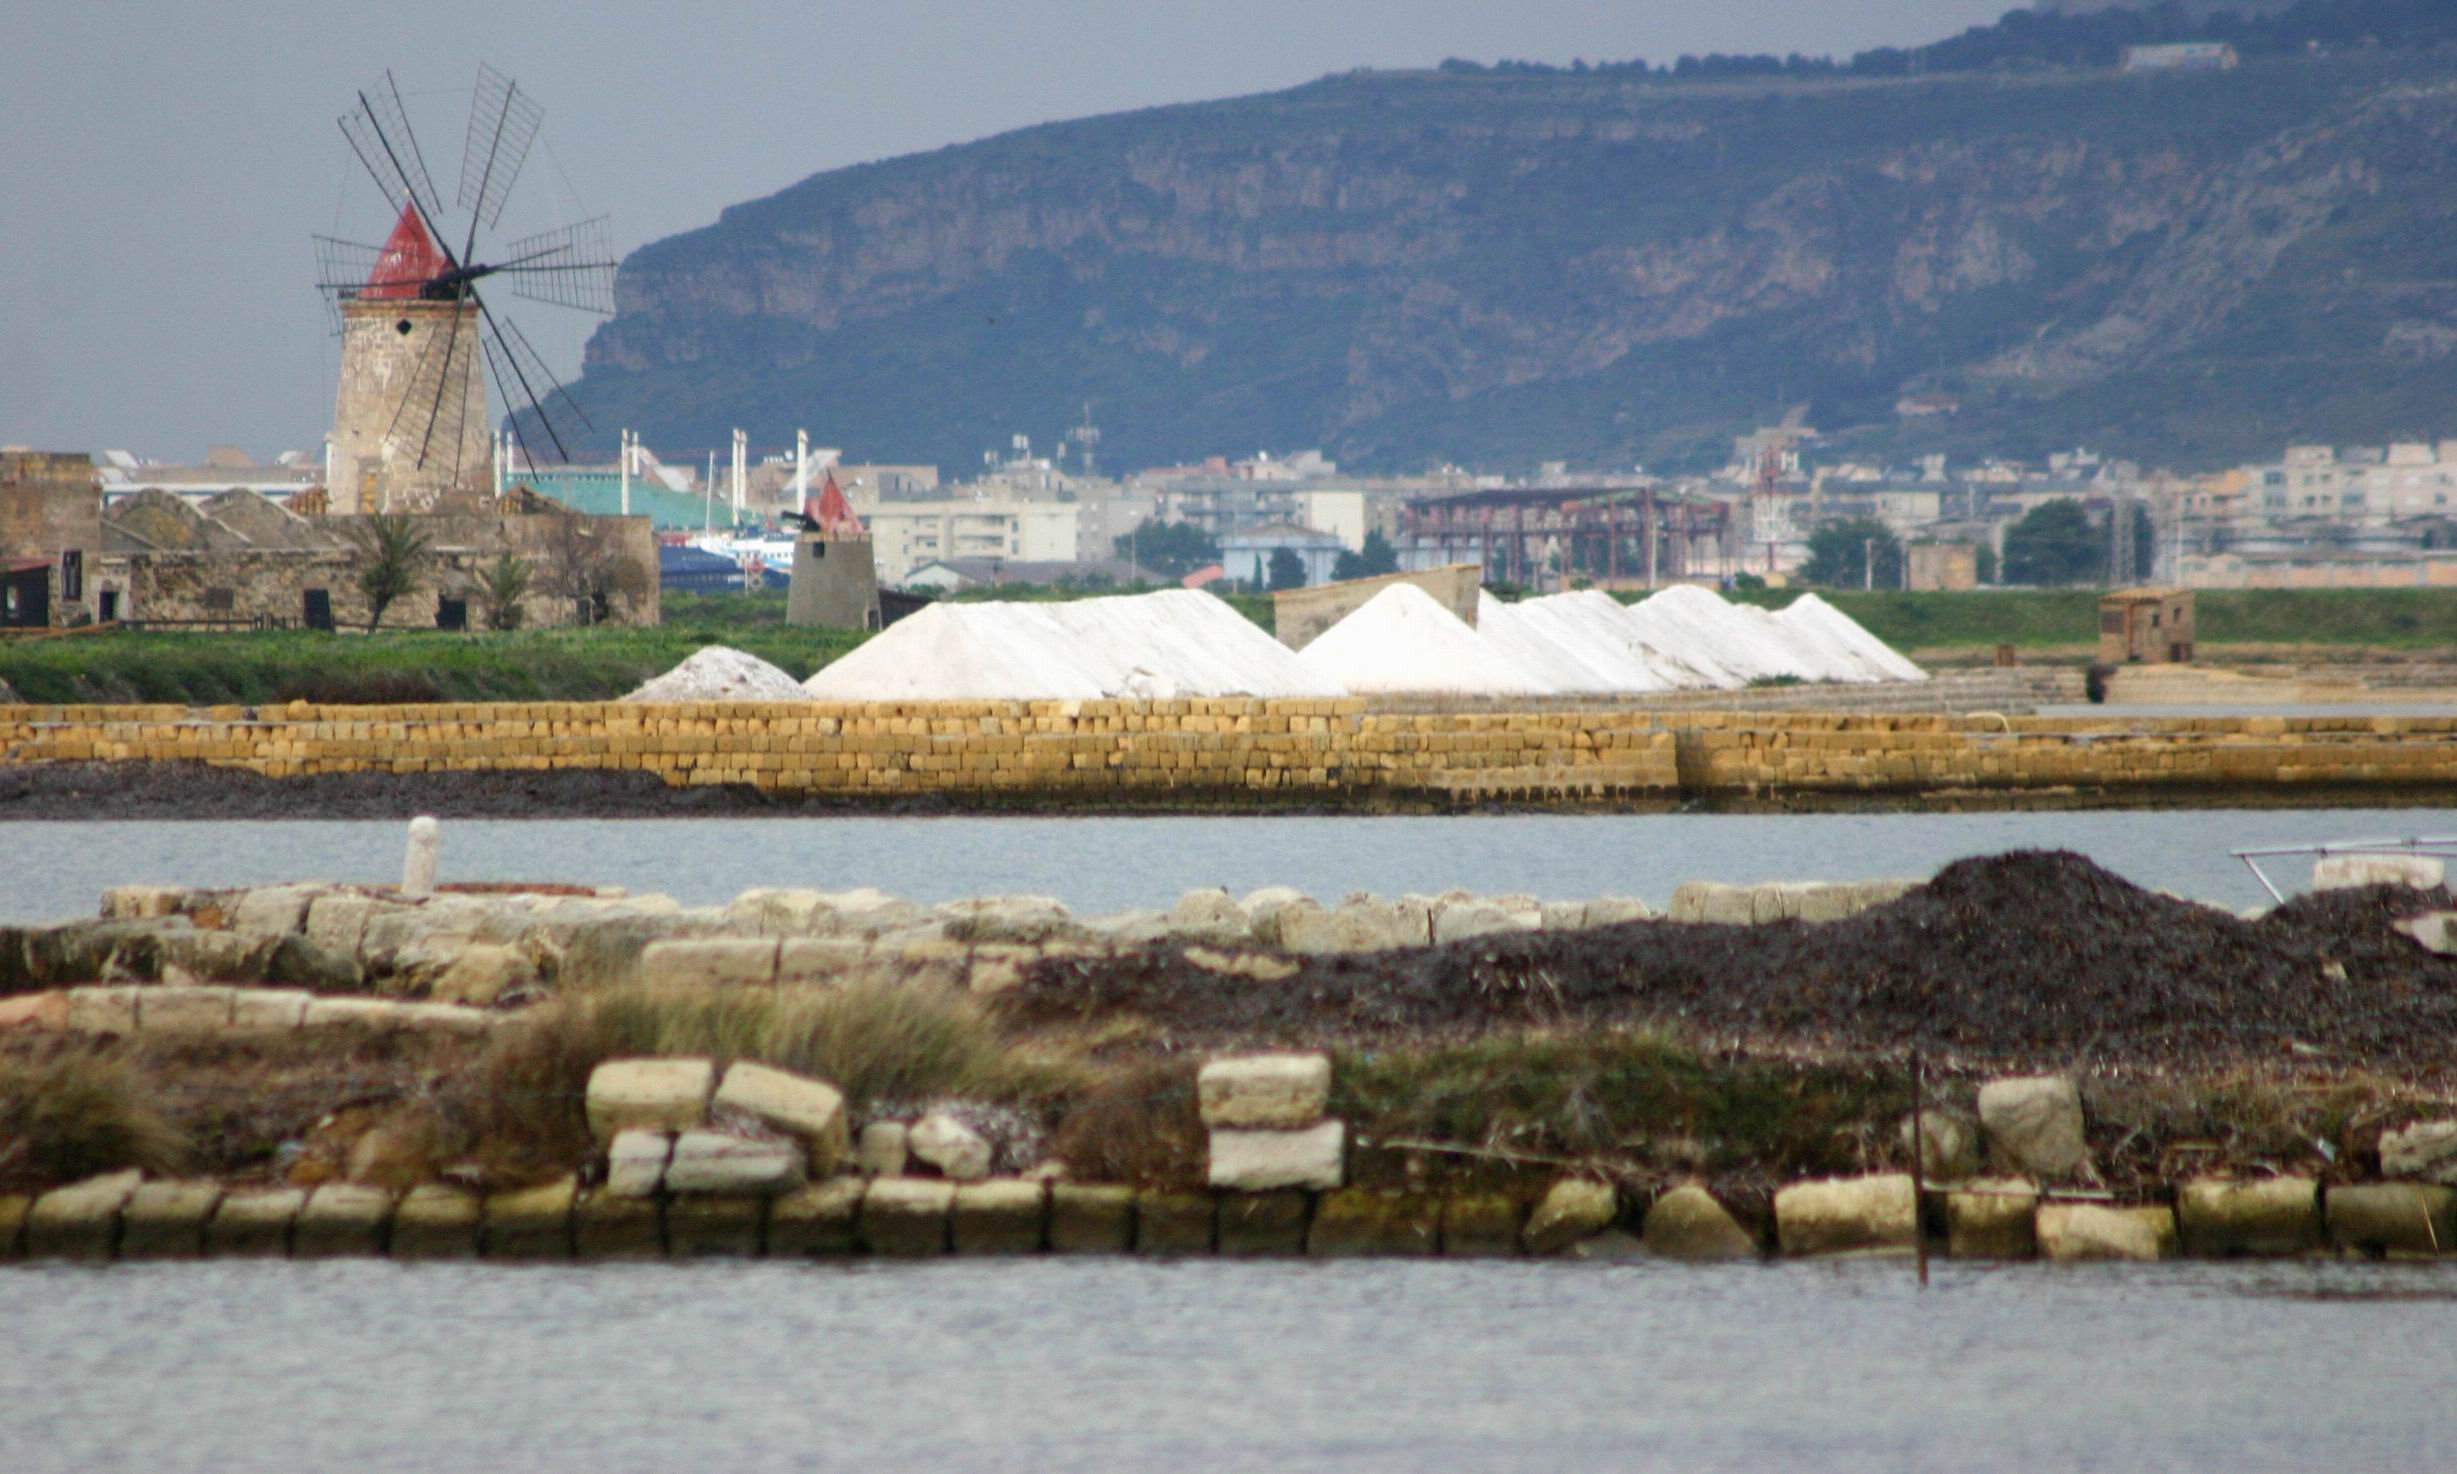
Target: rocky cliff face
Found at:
x=1408, y=269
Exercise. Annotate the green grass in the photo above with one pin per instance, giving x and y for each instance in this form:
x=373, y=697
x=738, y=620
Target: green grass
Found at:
x=520, y=665
x=1619, y=1099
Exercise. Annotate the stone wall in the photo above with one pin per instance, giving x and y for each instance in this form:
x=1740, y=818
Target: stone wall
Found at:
x=1315, y=751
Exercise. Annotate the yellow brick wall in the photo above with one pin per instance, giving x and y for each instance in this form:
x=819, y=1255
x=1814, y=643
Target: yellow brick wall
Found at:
x=1289, y=748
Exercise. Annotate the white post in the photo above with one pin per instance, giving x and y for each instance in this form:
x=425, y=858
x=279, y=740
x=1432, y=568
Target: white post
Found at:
x=801, y=468
x=425, y=850
x=626, y=473
x=741, y=451
x=708, y=497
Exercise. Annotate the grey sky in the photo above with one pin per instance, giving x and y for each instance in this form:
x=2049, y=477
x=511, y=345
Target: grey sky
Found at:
x=162, y=165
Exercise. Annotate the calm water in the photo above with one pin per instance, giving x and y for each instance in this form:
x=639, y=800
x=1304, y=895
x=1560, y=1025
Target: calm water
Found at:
x=1121, y=1365
x=55, y=870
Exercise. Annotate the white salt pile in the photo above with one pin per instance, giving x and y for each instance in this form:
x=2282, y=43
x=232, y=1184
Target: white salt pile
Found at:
x=1811, y=618
x=1175, y=643
x=968, y=652
x=1189, y=642
x=720, y=673
x=1600, y=625
x=1402, y=641
x=1721, y=642
x=1526, y=636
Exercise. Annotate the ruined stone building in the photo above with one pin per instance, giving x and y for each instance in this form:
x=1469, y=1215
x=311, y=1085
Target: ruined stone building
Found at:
x=241, y=560
x=50, y=535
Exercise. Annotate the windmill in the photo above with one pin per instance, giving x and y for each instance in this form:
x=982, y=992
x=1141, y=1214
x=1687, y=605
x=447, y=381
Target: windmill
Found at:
x=418, y=342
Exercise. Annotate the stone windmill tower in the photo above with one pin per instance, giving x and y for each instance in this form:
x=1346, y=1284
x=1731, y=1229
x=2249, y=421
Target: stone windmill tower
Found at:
x=411, y=428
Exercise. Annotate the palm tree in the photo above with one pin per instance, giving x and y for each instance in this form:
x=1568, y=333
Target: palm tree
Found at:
x=391, y=546
x=501, y=587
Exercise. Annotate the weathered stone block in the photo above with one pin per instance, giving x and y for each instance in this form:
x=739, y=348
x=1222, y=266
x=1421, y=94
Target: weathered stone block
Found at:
x=1458, y=920
x=103, y=1010
x=818, y=961
x=268, y=1010
x=1482, y=1225
x=1687, y=1223
x=907, y=1216
x=608, y=1227
x=1174, y=1222
x=273, y=910
x=709, y=962
x=166, y=1220
x=714, y=1227
x=1614, y=910
x=338, y=923
x=44, y=1011
x=1252, y=1224
x=532, y=1222
x=2078, y=1233
x=1572, y=1209
x=1258, y=1161
x=2434, y=931
x=635, y=1163
x=821, y=1218
x=81, y=1220
x=254, y=1222
x=482, y=974
x=187, y=1012
x=341, y=1218
x=2034, y=1125
x=1263, y=909
x=1007, y=919
x=437, y=1221
x=779, y=912
x=1992, y=1219
x=2425, y=1151
x=949, y=1145
x=1088, y=1218
x=1271, y=1091
x=128, y=902
x=649, y=1095
x=725, y=1165
x=2219, y=1219
x=1877, y=1214
x=1360, y=1222
x=13, y=1210
x=1612, y=1246
x=2400, y=1220
x=217, y=957
x=1008, y=1216
x=810, y=1111
x=1209, y=916
x=884, y=1148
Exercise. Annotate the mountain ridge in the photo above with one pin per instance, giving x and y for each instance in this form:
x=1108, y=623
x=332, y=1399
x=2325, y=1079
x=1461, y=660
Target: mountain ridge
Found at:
x=1416, y=268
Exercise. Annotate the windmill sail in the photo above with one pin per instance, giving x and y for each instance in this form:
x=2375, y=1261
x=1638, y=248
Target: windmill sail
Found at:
x=502, y=124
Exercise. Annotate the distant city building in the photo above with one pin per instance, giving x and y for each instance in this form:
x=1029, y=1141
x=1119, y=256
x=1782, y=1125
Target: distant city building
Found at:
x=1247, y=554
x=2182, y=56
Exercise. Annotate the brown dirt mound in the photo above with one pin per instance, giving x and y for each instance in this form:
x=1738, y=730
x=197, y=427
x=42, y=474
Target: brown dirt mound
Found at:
x=2035, y=955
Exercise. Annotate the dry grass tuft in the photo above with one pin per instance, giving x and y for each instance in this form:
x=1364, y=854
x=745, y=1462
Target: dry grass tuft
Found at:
x=77, y=1114
x=1141, y=1125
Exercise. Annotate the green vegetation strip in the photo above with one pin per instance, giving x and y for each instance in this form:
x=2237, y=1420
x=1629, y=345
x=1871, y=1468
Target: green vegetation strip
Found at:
x=2390, y=619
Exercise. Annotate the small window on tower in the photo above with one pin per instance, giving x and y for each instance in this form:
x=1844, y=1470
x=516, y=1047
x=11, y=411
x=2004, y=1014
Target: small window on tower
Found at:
x=402, y=327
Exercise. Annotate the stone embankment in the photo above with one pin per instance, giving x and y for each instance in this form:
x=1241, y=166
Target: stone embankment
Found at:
x=748, y=1160
x=1196, y=753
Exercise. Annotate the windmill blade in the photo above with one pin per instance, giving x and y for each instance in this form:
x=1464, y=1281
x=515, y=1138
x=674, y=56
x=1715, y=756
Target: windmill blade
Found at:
x=504, y=383
x=555, y=410
x=379, y=131
x=342, y=271
x=434, y=410
x=569, y=267
x=502, y=123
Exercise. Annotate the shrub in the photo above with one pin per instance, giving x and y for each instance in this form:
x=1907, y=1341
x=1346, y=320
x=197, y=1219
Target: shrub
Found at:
x=79, y=1114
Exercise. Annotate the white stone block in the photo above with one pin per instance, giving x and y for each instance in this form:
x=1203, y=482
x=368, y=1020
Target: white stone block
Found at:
x=1274, y=1091
x=1260, y=1161
x=812, y=1111
x=883, y=1148
x=2034, y=1125
x=2426, y=1151
x=721, y=1163
x=949, y=1145
x=1848, y=1215
x=648, y=1094
x=635, y=1163
x=2344, y=872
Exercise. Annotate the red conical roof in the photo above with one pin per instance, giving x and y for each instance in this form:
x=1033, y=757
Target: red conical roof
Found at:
x=410, y=260
x=832, y=512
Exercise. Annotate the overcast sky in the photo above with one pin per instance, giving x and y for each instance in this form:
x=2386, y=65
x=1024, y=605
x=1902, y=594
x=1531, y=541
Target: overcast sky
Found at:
x=163, y=164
